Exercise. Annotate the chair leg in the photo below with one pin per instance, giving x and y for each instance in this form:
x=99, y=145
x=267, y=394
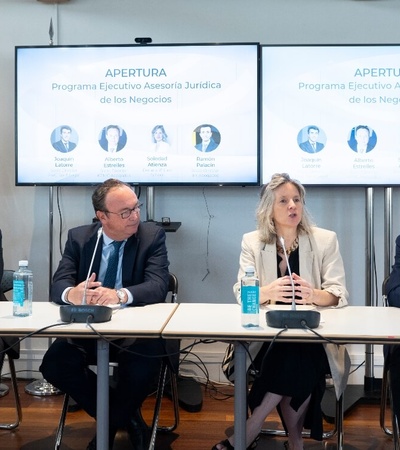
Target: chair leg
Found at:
x=157, y=407
x=18, y=409
x=384, y=395
x=61, y=423
x=395, y=423
x=160, y=393
x=396, y=443
x=175, y=402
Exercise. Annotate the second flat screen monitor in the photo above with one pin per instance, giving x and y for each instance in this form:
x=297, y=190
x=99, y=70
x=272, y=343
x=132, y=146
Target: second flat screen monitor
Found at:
x=331, y=114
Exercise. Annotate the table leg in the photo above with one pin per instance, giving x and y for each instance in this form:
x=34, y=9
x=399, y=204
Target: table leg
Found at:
x=102, y=394
x=240, y=395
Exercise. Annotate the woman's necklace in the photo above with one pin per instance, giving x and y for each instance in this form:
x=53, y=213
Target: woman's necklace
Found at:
x=292, y=248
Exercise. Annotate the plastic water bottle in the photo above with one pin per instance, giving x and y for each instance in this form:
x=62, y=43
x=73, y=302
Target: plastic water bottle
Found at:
x=250, y=297
x=22, y=290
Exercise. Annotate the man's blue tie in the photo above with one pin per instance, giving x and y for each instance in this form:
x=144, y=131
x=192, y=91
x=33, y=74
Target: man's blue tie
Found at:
x=111, y=273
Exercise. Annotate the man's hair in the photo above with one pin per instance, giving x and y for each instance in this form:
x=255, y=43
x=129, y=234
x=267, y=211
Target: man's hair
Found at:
x=265, y=209
x=65, y=127
x=312, y=127
x=362, y=127
x=113, y=126
x=205, y=125
x=100, y=193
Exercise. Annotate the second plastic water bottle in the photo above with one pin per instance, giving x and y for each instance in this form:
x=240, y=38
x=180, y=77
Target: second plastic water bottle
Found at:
x=250, y=292
x=22, y=290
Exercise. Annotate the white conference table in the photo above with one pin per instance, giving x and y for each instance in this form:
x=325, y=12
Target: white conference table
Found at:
x=351, y=324
x=134, y=322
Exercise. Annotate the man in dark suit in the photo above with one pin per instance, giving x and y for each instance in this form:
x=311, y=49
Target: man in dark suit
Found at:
x=64, y=145
x=113, y=139
x=392, y=352
x=207, y=143
x=312, y=145
x=141, y=279
x=362, y=139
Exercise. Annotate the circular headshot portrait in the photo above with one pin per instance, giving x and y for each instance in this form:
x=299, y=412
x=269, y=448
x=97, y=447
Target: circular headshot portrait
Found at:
x=362, y=139
x=159, y=139
x=64, y=139
x=311, y=139
x=112, y=138
x=206, y=138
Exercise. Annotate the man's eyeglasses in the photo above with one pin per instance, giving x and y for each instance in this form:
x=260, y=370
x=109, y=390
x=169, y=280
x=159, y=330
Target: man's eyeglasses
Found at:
x=128, y=212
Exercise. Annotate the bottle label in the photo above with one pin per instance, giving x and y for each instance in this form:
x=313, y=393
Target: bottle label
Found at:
x=250, y=299
x=19, y=292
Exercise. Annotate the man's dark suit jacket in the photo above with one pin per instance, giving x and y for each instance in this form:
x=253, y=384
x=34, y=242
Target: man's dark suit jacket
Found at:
x=144, y=270
x=307, y=147
x=59, y=146
x=210, y=147
x=392, y=352
x=393, y=284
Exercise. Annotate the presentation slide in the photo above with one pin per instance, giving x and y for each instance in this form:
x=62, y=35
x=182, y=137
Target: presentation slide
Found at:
x=331, y=114
x=146, y=114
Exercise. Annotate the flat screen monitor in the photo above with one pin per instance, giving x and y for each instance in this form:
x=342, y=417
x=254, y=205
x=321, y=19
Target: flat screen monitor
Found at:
x=331, y=113
x=173, y=114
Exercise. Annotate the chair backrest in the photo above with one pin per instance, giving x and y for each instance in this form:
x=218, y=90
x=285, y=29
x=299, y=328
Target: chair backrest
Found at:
x=6, y=283
x=384, y=293
x=173, y=287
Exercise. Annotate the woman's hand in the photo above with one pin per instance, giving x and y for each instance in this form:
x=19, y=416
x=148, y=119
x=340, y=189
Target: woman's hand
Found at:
x=304, y=291
x=311, y=296
x=279, y=290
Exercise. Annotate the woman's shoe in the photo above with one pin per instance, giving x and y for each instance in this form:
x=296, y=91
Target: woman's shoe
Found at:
x=286, y=445
x=229, y=446
x=226, y=444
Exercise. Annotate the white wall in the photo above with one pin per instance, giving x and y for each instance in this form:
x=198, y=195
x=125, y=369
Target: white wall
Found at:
x=204, y=252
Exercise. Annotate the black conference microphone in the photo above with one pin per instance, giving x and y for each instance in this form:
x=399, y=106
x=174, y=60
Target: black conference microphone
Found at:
x=86, y=313
x=290, y=274
x=292, y=318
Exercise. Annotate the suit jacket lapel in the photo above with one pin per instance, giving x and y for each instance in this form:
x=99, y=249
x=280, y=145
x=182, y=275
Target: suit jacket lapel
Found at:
x=269, y=262
x=306, y=257
x=129, y=258
x=97, y=258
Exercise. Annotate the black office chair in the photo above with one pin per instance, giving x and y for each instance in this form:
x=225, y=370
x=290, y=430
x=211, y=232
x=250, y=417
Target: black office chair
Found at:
x=168, y=373
x=12, y=353
x=386, y=393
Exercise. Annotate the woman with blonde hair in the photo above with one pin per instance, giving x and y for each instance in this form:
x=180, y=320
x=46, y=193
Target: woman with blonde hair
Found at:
x=291, y=376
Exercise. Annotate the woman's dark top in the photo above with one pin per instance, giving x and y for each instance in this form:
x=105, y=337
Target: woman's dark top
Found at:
x=292, y=370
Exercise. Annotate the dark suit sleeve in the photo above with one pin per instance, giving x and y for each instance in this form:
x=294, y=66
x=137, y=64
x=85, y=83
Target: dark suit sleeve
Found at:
x=146, y=275
x=393, y=284
x=75, y=261
x=2, y=296
x=1, y=256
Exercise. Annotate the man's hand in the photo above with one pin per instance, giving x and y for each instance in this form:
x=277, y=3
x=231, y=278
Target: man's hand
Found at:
x=77, y=293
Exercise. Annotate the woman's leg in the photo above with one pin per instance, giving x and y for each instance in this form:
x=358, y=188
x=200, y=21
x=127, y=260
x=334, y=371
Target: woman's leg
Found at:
x=255, y=422
x=294, y=421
